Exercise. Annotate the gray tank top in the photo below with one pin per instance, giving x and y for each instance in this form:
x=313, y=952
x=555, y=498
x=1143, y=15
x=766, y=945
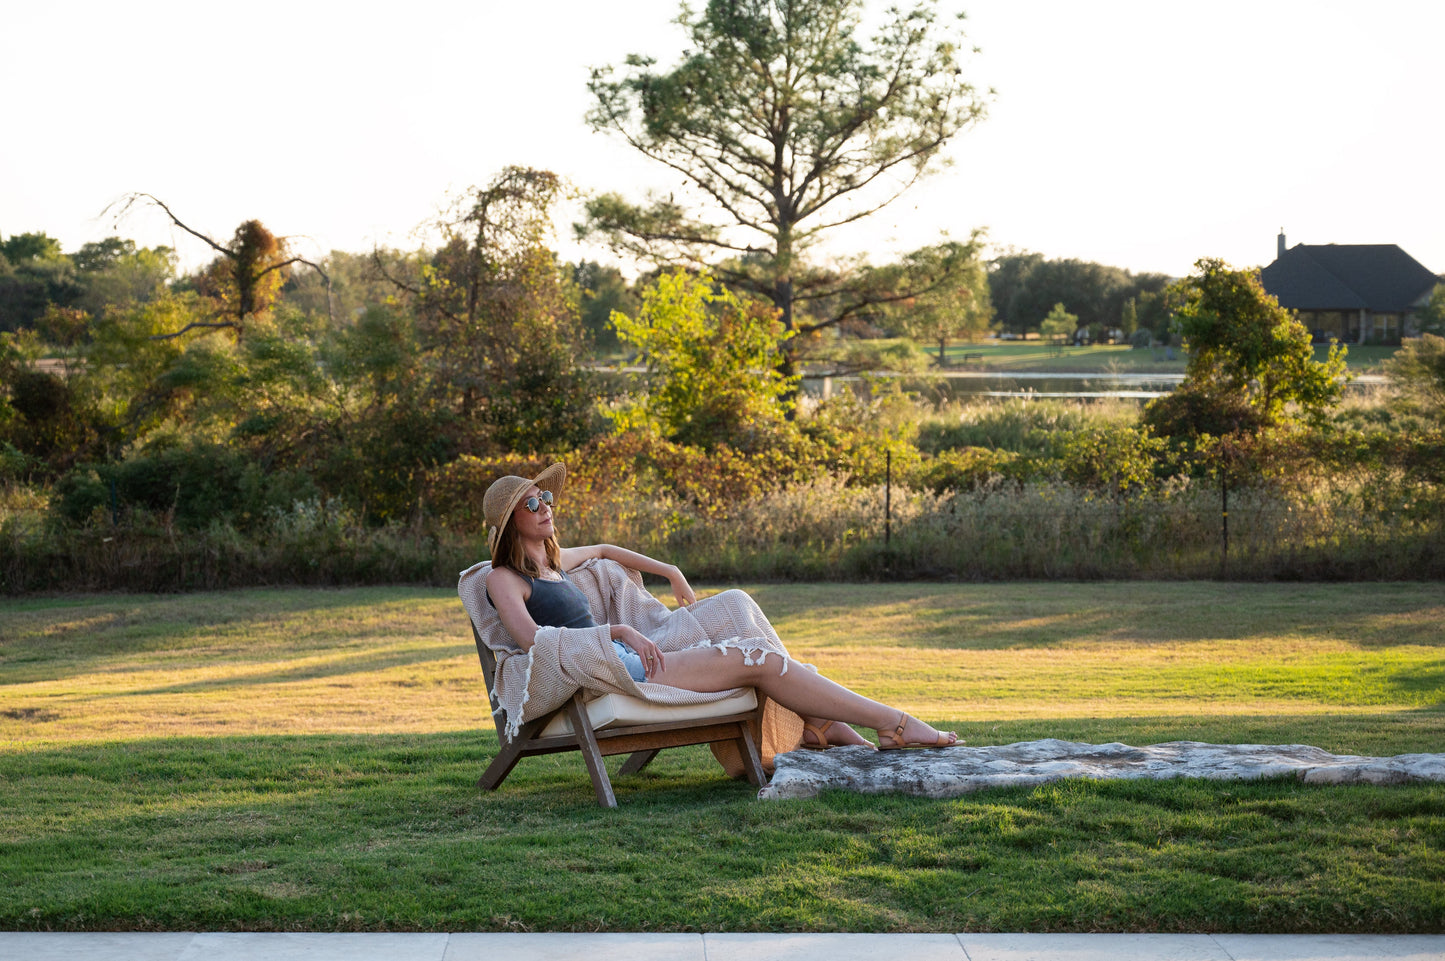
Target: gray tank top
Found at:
x=556, y=603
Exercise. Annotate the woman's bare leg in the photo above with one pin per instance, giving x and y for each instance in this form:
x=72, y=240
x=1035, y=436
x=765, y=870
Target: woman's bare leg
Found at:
x=799, y=690
x=835, y=733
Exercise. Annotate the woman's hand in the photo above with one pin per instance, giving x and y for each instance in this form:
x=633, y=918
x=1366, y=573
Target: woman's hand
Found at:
x=681, y=590
x=650, y=653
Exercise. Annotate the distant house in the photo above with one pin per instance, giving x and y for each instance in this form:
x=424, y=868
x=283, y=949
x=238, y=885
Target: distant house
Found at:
x=1354, y=293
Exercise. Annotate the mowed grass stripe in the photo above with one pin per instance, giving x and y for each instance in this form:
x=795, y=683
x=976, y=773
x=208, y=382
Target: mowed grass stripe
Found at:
x=401, y=659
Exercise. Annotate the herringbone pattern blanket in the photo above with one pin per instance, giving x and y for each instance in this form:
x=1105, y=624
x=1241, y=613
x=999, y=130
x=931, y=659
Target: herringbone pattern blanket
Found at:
x=562, y=660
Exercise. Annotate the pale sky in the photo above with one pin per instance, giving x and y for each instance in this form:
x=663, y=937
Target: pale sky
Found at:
x=1143, y=134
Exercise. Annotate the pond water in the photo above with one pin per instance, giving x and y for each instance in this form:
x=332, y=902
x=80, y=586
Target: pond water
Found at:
x=958, y=385
x=1104, y=385
x=1035, y=385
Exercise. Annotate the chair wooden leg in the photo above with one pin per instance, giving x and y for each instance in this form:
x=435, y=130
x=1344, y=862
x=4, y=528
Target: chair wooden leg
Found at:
x=508, y=754
x=636, y=761
x=500, y=767
x=591, y=753
x=752, y=761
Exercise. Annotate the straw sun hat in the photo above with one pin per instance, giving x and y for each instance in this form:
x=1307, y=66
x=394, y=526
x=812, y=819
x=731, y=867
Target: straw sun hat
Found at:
x=507, y=492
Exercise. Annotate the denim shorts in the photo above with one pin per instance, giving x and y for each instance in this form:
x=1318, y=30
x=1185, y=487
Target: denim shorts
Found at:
x=630, y=660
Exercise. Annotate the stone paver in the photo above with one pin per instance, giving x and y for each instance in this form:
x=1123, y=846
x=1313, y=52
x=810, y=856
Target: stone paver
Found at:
x=575, y=947
x=1333, y=947
x=1092, y=947
x=832, y=947
x=246, y=946
x=92, y=946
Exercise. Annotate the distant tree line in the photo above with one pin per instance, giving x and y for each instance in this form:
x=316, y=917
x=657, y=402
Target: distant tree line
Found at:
x=1025, y=287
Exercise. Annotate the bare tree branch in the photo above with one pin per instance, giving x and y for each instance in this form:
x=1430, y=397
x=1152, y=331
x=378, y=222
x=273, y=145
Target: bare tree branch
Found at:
x=199, y=324
x=131, y=199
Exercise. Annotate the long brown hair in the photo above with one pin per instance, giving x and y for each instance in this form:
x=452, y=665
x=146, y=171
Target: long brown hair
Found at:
x=510, y=553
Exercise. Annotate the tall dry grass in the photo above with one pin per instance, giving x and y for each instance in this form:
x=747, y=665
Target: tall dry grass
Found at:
x=829, y=530
x=824, y=530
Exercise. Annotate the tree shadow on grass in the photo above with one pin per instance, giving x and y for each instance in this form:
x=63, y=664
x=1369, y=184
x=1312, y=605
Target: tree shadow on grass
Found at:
x=1015, y=615
x=340, y=665
x=74, y=636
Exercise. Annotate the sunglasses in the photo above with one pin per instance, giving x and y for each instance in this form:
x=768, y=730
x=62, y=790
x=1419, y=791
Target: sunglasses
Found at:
x=534, y=504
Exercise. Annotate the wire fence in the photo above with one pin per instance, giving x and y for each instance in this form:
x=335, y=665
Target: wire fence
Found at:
x=824, y=530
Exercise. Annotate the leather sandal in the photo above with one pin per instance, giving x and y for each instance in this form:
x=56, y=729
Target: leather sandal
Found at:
x=893, y=741
x=820, y=732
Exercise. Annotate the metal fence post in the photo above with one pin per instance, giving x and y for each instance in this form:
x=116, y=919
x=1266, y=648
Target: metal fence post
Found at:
x=888, y=497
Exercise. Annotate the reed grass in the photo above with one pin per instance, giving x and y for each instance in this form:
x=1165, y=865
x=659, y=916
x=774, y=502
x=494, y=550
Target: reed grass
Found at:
x=1017, y=425
x=828, y=530
x=823, y=530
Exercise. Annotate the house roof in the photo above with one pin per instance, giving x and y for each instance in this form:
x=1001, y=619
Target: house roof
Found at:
x=1375, y=277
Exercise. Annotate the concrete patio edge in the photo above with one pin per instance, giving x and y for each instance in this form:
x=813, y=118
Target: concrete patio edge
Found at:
x=246, y=946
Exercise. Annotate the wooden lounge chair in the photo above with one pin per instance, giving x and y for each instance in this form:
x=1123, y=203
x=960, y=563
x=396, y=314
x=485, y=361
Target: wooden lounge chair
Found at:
x=616, y=724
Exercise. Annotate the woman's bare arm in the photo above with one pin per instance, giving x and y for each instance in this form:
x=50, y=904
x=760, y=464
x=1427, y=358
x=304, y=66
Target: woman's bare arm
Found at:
x=681, y=590
x=508, y=593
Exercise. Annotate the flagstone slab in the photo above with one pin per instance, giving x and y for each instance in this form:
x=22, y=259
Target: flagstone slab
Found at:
x=950, y=772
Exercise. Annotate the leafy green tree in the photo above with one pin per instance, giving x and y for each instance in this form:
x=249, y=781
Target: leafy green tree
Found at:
x=1431, y=317
x=1247, y=354
x=34, y=275
x=714, y=356
x=115, y=272
x=41, y=416
x=1025, y=285
x=1129, y=317
x=19, y=248
x=351, y=283
x=785, y=126
x=956, y=308
x=495, y=316
x=1417, y=375
x=1008, y=274
x=117, y=381
x=1059, y=325
x=136, y=377
x=601, y=291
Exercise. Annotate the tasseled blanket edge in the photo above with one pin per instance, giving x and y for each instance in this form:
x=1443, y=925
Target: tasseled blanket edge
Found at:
x=513, y=725
x=753, y=653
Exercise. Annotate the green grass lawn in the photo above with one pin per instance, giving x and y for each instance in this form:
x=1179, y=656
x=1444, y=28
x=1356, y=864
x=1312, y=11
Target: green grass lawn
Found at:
x=294, y=759
x=1014, y=356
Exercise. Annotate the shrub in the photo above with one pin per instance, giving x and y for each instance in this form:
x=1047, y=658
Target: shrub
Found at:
x=1189, y=412
x=15, y=465
x=1021, y=426
x=1116, y=460
x=1417, y=376
x=964, y=469
x=190, y=486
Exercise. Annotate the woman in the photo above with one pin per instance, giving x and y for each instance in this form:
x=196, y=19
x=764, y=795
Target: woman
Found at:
x=531, y=592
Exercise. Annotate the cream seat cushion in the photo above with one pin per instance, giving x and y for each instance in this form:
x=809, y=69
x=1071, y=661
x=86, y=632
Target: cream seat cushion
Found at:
x=619, y=710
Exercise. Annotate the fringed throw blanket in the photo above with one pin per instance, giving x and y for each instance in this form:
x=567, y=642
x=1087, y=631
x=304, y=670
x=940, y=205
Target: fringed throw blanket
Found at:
x=531, y=683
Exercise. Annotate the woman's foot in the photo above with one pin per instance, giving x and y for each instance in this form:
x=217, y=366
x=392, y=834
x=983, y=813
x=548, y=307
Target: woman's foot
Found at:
x=911, y=732
x=824, y=734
